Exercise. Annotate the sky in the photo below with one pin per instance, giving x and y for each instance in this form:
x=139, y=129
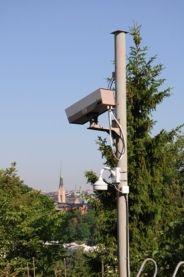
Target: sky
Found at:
x=52, y=54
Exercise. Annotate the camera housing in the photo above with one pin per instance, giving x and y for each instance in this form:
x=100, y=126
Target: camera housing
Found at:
x=91, y=106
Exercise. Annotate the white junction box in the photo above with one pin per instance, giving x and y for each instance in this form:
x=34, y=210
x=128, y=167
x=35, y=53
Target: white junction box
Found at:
x=90, y=106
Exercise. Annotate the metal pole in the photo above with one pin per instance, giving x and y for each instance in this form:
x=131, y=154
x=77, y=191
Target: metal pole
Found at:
x=121, y=113
x=65, y=266
x=102, y=265
x=34, y=271
x=28, y=270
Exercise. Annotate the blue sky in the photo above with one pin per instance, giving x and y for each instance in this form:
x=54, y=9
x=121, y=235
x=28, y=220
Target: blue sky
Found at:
x=53, y=53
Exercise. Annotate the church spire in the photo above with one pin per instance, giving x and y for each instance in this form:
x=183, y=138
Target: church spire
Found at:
x=61, y=190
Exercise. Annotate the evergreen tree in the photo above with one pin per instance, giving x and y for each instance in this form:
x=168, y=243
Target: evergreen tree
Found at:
x=156, y=171
x=153, y=172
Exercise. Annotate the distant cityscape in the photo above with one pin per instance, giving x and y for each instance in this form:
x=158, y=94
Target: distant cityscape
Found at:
x=70, y=200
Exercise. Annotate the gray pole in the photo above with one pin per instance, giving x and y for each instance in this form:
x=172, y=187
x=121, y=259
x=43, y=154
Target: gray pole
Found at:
x=121, y=113
x=102, y=265
x=65, y=266
x=34, y=271
x=28, y=270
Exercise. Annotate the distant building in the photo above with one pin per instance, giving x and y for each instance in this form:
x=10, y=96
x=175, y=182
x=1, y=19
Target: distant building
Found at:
x=73, y=247
x=68, y=201
x=61, y=191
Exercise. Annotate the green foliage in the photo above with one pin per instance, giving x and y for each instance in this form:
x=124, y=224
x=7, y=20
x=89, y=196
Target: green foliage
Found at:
x=156, y=172
x=153, y=171
x=28, y=222
x=79, y=266
x=79, y=227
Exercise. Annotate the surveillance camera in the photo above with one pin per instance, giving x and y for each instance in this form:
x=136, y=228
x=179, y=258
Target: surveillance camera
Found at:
x=100, y=184
x=91, y=106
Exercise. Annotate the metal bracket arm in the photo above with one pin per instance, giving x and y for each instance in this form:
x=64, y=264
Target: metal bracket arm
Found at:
x=114, y=130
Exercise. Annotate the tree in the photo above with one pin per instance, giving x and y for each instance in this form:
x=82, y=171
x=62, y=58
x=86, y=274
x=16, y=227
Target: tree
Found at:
x=79, y=227
x=155, y=170
x=28, y=222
